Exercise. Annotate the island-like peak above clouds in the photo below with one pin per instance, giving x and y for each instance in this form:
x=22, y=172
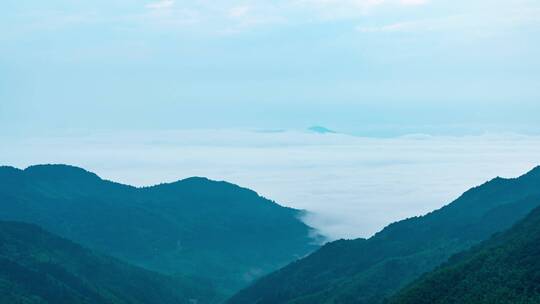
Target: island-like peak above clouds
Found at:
x=226, y=234
x=321, y=130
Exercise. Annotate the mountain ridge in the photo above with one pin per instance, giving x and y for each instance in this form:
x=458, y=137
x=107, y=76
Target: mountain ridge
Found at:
x=195, y=226
x=39, y=267
x=369, y=270
x=503, y=269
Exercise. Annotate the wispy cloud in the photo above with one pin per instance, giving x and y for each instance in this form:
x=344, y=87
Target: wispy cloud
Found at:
x=238, y=11
x=232, y=17
x=163, y=4
x=167, y=14
x=395, y=27
x=414, y=2
x=468, y=23
x=338, y=9
x=214, y=17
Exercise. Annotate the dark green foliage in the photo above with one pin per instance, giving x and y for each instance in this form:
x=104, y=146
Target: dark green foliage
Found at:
x=503, y=270
x=217, y=231
x=38, y=267
x=368, y=271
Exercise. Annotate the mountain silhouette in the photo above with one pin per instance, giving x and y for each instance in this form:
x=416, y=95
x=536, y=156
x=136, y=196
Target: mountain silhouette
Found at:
x=38, y=267
x=215, y=231
x=504, y=269
x=369, y=270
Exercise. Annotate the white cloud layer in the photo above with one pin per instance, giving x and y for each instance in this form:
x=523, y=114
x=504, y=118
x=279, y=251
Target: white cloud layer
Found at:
x=371, y=15
x=413, y=2
x=237, y=16
x=353, y=186
x=164, y=4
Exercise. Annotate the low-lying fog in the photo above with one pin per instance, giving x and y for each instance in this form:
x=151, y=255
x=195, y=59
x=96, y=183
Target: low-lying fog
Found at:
x=353, y=186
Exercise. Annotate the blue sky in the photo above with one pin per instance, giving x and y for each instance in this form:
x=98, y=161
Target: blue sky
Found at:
x=367, y=67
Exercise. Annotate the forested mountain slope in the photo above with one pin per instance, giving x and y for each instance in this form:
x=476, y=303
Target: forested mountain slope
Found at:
x=369, y=270
x=37, y=267
x=504, y=270
x=215, y=231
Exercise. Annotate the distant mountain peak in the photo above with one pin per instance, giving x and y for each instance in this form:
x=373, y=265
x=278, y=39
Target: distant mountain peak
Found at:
x=535, y=171
x=9, y=173
x=198, y=179
x=59, y=171
x=321, y=130
x=193, y=181
x=9, y=169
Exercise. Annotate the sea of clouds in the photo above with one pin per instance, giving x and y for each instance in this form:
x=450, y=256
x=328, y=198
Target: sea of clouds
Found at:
x=351, y=186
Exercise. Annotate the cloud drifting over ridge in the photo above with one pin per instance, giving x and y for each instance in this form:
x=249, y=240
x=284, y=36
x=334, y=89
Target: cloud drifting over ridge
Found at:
x=352, y=186
x=215, y=15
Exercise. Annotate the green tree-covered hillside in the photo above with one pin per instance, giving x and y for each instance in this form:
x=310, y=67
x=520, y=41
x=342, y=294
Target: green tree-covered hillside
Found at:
x=37, y=267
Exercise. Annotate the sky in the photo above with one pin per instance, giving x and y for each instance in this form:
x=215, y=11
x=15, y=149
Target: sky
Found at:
x=428, y=97
x=366, y=67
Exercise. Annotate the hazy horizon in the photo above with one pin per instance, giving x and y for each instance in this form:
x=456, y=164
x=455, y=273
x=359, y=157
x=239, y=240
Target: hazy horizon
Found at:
x=352, y=186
